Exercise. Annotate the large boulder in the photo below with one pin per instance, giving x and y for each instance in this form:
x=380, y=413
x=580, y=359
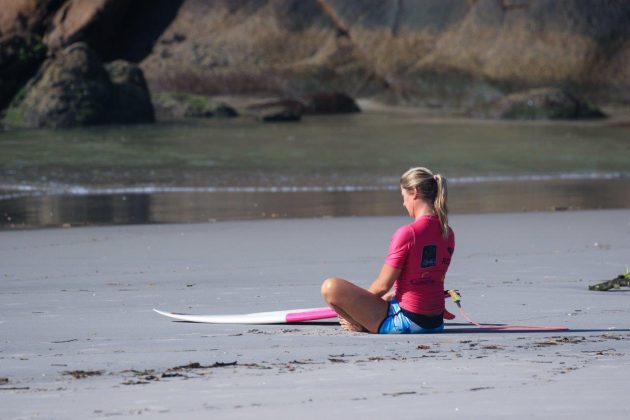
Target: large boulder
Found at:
x=131, y=99
x=73, y=89
x=20, y=57
x=539, y=104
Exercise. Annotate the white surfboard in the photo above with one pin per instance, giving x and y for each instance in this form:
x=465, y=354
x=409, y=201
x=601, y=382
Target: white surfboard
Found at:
x=275, y=317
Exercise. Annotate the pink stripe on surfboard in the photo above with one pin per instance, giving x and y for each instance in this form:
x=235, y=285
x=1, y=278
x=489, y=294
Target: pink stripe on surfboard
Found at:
x=310, y=315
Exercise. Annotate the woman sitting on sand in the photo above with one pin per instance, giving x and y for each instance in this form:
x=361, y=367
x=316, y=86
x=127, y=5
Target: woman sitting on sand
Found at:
x=416, y=264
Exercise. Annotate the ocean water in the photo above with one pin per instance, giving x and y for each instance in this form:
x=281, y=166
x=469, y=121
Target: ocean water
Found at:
x=207, y=170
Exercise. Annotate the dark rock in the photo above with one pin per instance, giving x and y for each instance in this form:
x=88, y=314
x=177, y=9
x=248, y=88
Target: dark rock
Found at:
x=132, y=102
x=329, y=103
x=316, y=103
x=69, y=90
x=539, y=104
x=72, y=20
x=20, y=57
x=186, y=105
x=280, y=115
x=73, y=88
x=283, y=110
x=225, y=111
x=114, y=29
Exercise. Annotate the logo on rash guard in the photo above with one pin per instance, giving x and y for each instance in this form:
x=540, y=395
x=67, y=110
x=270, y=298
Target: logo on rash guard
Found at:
x=429, y=256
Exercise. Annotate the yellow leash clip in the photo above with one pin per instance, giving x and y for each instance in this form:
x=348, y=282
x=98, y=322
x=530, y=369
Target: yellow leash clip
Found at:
x=455, y=297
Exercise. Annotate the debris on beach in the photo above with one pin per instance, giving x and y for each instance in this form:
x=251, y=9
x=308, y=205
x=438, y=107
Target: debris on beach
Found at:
x=197, y=365
x=554, y=341
x=622, y=280
x=398, y=394
x=81, y=374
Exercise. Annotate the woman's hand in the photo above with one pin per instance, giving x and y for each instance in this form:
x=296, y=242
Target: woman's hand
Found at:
x=385, y=281
x=389, y=295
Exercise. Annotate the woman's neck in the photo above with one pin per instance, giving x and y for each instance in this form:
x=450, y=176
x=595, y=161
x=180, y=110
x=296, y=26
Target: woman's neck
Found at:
x=423, y=209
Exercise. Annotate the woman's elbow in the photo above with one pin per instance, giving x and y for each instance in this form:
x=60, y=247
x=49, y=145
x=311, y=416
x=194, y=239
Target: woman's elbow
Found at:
x=379, y=289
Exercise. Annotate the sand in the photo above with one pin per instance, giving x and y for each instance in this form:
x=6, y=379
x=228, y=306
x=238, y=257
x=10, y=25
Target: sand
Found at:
x=78, y=338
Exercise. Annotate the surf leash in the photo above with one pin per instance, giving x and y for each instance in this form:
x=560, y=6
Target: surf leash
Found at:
x=457, y=299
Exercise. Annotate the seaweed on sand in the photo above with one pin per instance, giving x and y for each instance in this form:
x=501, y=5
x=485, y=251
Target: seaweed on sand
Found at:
x=622, y=280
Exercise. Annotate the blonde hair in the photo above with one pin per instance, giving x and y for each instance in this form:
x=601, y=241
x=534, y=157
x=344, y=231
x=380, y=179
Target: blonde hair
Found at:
x=432, y=188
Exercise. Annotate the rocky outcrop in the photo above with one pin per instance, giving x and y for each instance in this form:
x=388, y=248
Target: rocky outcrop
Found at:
x=280, y=48
x=433, y=52
x=114, y=29
x=73, y=88
x=75, y=19
x=539, y=104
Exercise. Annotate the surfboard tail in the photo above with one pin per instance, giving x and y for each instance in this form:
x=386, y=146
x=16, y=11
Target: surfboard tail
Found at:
x=311, y=315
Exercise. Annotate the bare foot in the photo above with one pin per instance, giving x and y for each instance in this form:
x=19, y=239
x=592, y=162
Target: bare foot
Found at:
x=351, y=326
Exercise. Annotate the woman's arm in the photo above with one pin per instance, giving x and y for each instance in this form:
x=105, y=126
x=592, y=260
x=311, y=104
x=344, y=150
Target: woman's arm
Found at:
x=384, y=281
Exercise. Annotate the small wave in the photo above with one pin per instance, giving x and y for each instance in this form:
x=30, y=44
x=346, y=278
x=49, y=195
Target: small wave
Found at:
x=539, y=177
x=16, y=191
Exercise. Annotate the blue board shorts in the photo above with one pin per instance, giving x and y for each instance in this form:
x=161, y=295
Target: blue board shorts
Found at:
x=397, y=323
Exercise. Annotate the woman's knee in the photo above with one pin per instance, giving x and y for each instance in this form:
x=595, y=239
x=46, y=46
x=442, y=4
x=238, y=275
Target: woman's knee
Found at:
x=330, y=286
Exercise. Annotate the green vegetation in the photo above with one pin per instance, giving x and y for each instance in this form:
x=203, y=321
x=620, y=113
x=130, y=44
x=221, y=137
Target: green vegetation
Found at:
x=622, y=280
x=36, y=52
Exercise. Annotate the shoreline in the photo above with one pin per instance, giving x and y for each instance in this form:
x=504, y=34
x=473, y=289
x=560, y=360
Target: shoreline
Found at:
x=80, y=339
x=328, y=166
x=199, y=207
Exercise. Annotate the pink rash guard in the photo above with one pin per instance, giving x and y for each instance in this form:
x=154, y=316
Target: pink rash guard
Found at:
x=423, y=256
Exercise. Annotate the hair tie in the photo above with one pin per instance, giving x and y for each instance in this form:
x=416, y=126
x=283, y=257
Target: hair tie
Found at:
x=435, y=177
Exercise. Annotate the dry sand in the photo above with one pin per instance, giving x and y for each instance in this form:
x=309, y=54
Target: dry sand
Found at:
x=78, y=338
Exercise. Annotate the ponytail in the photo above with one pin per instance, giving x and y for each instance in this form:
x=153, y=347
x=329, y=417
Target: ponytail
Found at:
x=440, y=205
x=432, y=188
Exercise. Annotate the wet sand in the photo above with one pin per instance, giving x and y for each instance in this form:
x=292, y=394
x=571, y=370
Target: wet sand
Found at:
x=78, y=338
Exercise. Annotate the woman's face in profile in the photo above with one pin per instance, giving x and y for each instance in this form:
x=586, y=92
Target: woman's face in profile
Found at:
x=408, y=199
